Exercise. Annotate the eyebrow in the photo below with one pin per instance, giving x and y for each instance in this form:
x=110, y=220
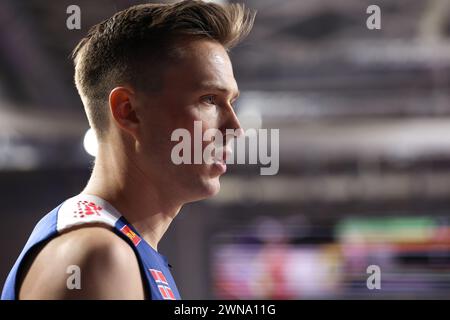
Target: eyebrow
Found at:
x=218, y=87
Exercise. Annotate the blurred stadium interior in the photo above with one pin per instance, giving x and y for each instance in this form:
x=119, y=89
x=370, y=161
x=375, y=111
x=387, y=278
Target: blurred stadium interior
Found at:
x=364, y=119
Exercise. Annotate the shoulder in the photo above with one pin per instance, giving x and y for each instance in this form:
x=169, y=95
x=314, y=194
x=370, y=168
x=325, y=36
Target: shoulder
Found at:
x=91, y=262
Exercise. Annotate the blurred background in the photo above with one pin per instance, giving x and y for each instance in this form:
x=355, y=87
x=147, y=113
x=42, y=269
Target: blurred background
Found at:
x=364, y=179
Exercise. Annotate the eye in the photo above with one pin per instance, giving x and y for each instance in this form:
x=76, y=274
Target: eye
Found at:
x=209, y=99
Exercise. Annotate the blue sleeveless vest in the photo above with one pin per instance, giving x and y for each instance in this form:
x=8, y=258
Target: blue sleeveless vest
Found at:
x=86, y=209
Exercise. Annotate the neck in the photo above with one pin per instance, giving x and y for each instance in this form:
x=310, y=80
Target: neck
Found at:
x=148, y=207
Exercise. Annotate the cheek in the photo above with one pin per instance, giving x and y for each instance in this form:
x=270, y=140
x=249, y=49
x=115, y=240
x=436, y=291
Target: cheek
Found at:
x=158, y=128
x=154, y=141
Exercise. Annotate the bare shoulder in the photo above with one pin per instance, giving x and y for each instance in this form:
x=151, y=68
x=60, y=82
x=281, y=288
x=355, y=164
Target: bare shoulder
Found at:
x=91, y=262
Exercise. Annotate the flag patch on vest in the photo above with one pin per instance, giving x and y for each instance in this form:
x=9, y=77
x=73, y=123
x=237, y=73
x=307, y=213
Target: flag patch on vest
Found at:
x=163, y=285
x=130, y=234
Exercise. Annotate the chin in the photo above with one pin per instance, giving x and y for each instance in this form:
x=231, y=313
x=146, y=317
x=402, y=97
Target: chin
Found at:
x=211, y=187
x=205, y=185
x=205, y=194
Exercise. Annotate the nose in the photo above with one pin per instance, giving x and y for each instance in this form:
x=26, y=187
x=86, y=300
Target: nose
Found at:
x=231, y=121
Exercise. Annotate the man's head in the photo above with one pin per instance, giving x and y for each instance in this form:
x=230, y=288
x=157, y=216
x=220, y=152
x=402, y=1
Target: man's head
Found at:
x=154, y=68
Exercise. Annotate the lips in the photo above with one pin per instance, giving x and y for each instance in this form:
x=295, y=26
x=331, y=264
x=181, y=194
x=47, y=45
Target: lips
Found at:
x=220, y=158
x=221, y=155
x=219, y=161
x=220, y=165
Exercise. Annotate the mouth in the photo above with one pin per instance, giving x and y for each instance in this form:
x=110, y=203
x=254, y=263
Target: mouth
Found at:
x=220, y=164
x=220, y=159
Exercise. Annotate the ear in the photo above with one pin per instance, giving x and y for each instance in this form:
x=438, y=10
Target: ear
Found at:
x=123, y=109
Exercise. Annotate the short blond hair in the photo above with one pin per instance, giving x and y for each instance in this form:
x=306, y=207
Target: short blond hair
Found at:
x=113, y=52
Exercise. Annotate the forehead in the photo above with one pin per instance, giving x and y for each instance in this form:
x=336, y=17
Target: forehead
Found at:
x=201, y=61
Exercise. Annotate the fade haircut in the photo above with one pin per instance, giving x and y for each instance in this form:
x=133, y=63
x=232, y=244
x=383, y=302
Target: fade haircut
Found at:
x=132, y=46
